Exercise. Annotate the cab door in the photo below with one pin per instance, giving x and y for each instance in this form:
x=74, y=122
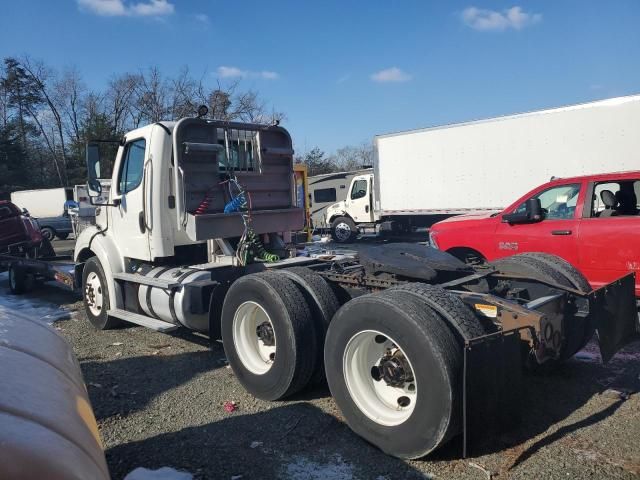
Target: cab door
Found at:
x=610, y=245
x=359, y=199
x=127, y=218
x=557, y=233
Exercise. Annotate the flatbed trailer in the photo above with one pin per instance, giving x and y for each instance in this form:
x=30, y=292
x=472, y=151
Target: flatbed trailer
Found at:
x=24, y=272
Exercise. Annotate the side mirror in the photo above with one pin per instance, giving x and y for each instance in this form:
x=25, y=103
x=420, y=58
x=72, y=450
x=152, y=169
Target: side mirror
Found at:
x=25, y=212
x=94, y=188
x=533, y=213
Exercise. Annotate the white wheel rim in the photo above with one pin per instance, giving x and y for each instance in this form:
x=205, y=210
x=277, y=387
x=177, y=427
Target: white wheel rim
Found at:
x=93, y=294
x=383, y=403
x=256, y=355
x=343, y=231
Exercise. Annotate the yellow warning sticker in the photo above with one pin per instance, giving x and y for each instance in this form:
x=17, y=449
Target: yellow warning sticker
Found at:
x=487, y=310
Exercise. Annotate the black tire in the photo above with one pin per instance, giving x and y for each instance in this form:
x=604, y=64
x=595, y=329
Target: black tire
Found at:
x=48, y=233
x=62, y=236
x=17, y=279
x=101, y=320
x=571, y=273
x=435, y=358
x=292, y=325
x=575, y=328
x=464, y=322
x=323, y=303
x=579, y=282
x=343, y=230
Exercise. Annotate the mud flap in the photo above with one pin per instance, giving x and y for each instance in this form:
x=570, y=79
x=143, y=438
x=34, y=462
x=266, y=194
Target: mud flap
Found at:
x=616, y=315
x=492, y=385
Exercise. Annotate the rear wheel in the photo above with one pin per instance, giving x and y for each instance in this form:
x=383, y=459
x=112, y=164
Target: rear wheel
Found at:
x=96, y=295
x=393, y=369
x=575, y=327
x=17, y=279
x=323, y=303
x=268, y=335
x=575, y=278
x=451, y=309
x=343, y=230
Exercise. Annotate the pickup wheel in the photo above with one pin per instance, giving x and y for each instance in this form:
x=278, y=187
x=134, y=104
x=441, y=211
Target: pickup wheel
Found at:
x=576, y=328
x=268, y=335
x=323, y=303
x=48, y=233
x=393, y=368
x=95, y=294
x=343, y=230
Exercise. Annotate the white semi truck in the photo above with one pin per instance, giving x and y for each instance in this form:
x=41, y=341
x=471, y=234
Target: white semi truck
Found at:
x=193, y=234
x=422, y=176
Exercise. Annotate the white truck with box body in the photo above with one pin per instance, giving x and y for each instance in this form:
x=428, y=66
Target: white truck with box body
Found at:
x=422, y=175
x=193, y=234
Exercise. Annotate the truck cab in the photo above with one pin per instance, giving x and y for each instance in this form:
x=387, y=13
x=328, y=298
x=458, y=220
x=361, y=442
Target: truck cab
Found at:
x=590, y=221
x=355, y=213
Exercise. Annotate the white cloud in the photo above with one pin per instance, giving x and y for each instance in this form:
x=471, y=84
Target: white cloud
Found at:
x=393, y=74
x=491, y=20
x=235, y=72
x=120, y=8
x=201, y=17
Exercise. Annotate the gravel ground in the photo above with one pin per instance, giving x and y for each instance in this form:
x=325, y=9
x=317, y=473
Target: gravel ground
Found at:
x=159, y=399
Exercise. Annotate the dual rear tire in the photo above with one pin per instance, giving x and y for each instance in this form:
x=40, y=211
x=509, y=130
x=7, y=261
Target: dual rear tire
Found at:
x=394, y=367
x=273, y=326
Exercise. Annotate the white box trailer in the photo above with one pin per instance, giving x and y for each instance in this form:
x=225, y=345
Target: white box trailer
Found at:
x=43, y=203
x=484, y=165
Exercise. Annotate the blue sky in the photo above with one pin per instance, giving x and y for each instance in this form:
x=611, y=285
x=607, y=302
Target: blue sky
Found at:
x=343, y=71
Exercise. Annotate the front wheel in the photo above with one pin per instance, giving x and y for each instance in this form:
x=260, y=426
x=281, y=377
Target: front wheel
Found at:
x=62, y=236
x=96, y=295
x=48, y=233
x=343, y=230
x=393, y=367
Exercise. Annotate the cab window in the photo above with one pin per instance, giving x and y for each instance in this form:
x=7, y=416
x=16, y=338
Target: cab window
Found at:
x=359, y=189
x=132, y=166
x=615, y=199
x=559, y=203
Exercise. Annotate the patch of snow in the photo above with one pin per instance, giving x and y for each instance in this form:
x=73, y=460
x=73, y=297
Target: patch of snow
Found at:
x=164, y=473
x=34, y=308
x=302, y=468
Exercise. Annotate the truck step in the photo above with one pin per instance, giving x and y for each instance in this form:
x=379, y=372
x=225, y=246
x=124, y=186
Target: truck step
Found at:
x=152, y=323
x=144, y=280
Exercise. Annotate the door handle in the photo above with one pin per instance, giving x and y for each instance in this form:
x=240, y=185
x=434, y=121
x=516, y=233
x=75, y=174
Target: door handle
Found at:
x=560, y=232
x=141, y=222
x=366, y=208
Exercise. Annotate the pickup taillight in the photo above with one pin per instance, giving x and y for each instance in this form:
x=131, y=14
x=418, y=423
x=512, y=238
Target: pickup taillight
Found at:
x=32, y=228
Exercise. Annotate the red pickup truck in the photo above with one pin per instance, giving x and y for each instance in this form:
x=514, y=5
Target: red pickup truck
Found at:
x=591, y=221
x=19, y=233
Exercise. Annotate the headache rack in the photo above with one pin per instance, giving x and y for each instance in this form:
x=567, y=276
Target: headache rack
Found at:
x=215, y=162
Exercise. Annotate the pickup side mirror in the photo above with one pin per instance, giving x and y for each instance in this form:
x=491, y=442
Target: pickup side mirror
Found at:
x=533, y=213
x=94, y=188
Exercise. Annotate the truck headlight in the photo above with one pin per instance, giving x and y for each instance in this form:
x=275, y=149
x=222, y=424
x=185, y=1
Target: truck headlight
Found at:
x=432, y=239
